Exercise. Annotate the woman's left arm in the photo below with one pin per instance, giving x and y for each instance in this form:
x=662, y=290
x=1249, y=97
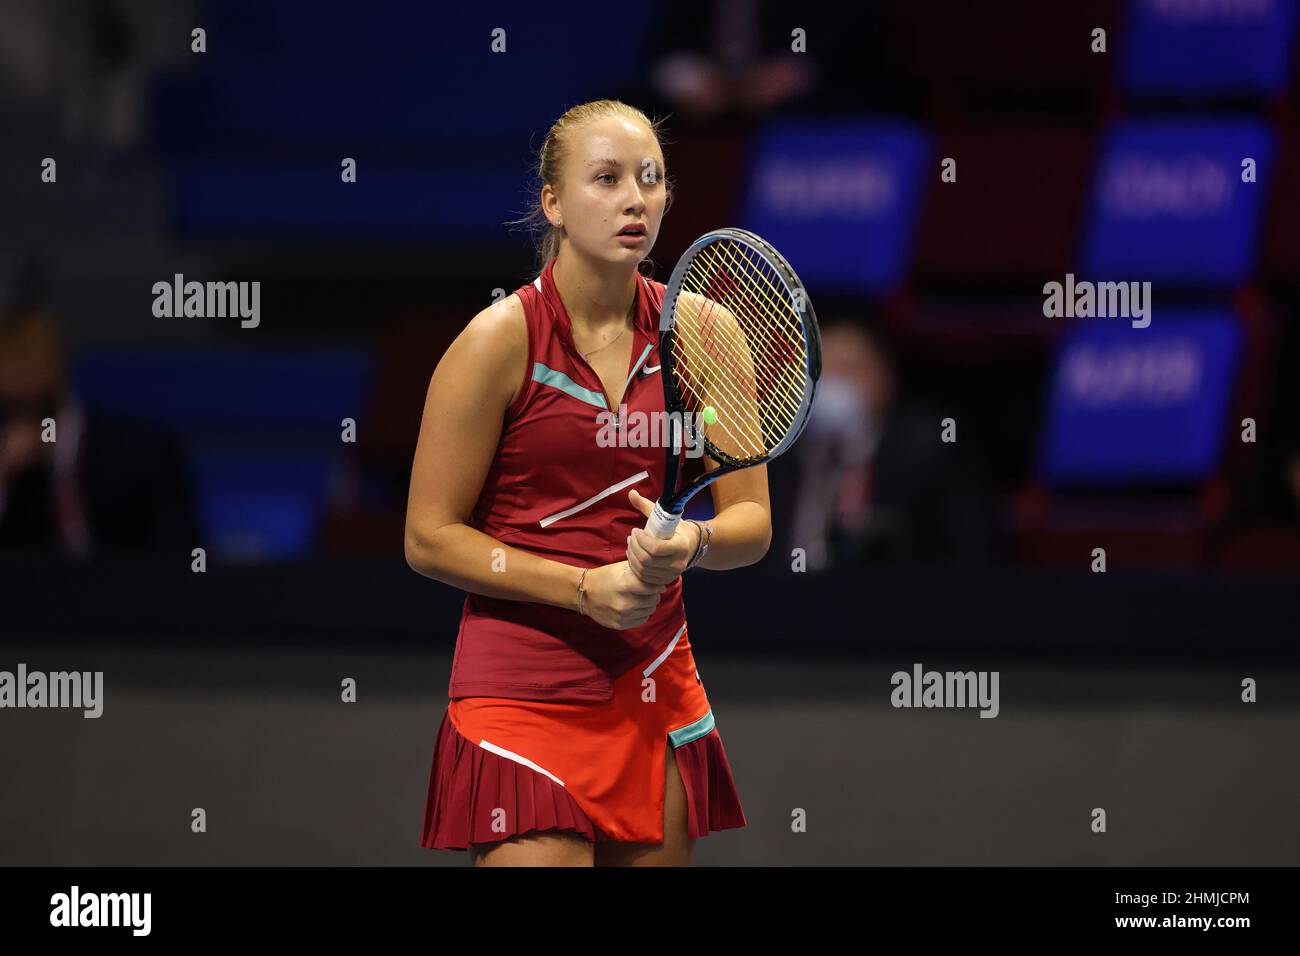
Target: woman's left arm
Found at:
x=742, y=526
x=742, y=529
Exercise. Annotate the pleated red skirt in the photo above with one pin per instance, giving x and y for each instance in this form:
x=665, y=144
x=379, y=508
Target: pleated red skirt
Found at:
x=504, y=767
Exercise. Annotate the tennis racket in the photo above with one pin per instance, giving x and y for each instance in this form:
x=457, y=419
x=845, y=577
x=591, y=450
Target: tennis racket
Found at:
x=740, y=355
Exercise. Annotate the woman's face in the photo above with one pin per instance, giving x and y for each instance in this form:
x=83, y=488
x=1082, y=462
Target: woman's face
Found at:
x=850, y=356
x=612, y=178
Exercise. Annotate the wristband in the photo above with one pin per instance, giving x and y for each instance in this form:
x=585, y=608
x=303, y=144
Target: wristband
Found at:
x=706, y=535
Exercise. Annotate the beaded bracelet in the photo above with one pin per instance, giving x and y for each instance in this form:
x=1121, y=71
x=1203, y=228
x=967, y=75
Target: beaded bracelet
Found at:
x=581, y=593
x=706, y=535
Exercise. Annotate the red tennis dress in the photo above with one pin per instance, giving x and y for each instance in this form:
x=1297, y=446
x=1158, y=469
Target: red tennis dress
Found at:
x=555, y=722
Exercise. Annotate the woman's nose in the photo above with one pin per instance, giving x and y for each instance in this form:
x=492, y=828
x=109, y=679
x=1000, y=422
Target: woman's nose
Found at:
x=637, y=198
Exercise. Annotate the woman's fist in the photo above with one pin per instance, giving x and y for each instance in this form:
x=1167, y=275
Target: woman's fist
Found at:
x=660, y=560
x=616, y=598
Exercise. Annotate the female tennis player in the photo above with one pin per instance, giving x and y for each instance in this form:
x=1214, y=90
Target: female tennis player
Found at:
x=577, y=732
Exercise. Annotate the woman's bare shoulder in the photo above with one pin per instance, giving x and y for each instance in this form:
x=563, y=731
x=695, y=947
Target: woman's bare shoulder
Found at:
x=501, y=328
x=494, y=346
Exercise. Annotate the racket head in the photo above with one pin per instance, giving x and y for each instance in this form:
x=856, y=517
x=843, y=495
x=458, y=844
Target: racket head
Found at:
x=739, y=338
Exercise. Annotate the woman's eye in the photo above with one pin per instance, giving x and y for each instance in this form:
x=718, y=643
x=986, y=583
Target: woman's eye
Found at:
x=609, y=176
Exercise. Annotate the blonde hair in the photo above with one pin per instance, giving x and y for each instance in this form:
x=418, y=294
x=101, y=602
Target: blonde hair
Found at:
x=550, y=159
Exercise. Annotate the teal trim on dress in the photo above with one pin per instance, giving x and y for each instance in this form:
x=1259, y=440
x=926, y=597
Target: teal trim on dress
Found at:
x=694, y=731
x=556, y=379
x=636, y=367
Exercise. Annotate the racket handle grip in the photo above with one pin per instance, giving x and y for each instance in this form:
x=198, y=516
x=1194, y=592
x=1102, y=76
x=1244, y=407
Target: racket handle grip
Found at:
x=661, y=524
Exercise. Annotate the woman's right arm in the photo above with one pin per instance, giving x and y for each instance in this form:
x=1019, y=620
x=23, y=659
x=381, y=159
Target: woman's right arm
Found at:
x=464, y=411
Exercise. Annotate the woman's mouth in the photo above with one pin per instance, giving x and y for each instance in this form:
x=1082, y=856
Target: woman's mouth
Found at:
x=631, y=235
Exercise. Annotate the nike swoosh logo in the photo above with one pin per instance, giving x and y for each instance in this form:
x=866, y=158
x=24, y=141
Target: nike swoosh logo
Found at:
x=647, y=369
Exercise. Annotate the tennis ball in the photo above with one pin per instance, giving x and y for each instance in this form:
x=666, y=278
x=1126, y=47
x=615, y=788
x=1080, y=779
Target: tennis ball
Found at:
x=710, y=415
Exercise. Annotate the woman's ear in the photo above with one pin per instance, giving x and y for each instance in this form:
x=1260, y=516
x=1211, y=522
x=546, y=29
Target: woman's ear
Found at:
x=551, y=206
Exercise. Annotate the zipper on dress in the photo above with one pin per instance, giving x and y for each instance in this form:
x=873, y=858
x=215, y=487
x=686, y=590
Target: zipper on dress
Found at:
x=614, y=551
x=612, y=410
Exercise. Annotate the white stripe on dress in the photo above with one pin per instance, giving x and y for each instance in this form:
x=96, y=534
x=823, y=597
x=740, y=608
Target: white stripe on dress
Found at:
x=510, y=755
x=551, y=519
x=664, y=656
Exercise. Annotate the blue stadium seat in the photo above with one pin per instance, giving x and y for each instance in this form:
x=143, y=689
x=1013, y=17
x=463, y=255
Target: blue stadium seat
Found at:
x=840, y=199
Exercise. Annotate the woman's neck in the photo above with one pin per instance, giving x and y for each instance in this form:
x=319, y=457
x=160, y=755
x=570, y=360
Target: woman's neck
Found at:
x=598, y=297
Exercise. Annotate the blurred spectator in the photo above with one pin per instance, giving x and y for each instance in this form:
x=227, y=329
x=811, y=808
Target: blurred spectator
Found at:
x=743, y=58
x=104, y=484
x=26, y=50
x=876, y=482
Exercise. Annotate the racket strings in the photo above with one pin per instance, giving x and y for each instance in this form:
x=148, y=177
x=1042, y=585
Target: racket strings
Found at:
x=763, y=331
x=754, y=359
x=740, y=418
x=774, y=347
x=725, y=343
x=771, y=350
x=736, y=405
x=772, y=294
x=778, y=308
x=755, y=345
x=769, y=386
x=732, y=361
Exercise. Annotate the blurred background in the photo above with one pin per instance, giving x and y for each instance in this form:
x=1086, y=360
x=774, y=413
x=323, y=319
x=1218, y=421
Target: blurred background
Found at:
x=1117, y=156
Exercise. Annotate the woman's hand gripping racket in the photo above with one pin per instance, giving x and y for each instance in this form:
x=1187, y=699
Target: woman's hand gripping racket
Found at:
x=741, y=355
